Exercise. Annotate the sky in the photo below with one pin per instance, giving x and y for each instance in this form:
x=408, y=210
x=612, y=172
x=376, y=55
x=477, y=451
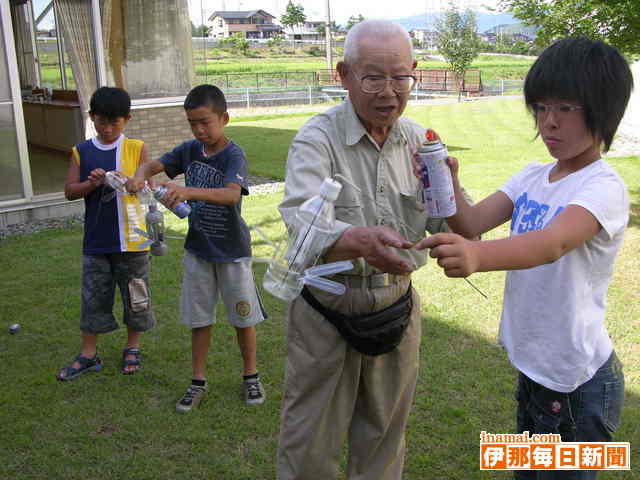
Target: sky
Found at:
x=341, y=10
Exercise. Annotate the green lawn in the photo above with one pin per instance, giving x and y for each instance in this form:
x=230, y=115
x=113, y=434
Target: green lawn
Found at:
x=108, y=426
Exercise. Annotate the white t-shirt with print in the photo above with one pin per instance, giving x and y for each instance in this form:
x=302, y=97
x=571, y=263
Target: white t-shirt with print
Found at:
x=553, y=315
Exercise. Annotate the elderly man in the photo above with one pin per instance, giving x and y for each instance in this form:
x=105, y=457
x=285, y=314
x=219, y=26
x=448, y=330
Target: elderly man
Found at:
x=333, y=390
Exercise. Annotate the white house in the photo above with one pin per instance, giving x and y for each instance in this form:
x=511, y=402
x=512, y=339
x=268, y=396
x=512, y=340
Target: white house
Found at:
x=251, y=23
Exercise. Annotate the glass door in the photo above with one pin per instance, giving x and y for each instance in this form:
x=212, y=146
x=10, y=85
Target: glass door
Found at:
x=15, y=181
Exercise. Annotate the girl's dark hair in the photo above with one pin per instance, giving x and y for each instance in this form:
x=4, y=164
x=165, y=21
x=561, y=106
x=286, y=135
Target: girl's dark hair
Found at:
x=206, y=96
x=110, y=102
x=588, y=72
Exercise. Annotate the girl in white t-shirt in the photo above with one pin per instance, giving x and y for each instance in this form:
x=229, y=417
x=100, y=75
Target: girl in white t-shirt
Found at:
x=567, y=218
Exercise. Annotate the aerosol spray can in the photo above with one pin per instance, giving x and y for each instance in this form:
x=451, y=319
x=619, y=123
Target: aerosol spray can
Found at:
x=436, y=178
x=182, y=209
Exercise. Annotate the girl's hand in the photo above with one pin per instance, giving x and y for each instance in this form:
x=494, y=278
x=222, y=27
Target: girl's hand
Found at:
x=452, y=163
x=456, y=255
x=415, y=159
x=454, y=166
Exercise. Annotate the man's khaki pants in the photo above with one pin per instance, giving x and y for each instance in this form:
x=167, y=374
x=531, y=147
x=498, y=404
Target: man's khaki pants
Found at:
x=333, y=392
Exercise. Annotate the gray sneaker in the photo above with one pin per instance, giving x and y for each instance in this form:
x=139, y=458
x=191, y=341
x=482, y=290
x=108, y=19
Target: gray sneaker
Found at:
x=191, y=398
x=253, y=392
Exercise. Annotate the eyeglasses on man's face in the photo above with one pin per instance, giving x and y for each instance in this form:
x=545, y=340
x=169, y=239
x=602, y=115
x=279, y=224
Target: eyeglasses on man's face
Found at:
x=558, y=108
x=377, y=83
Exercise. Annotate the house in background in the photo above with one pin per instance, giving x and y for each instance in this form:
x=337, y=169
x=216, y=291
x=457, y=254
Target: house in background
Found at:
x=252, y=23
x=426, y=38
x=311, y=30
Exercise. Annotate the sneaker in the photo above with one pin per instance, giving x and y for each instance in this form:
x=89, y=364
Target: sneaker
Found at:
x=191, y=399
x=253, y=392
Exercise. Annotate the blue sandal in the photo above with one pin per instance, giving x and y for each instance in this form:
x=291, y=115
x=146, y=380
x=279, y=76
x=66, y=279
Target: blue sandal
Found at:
x=86, y=365
x=135, y=362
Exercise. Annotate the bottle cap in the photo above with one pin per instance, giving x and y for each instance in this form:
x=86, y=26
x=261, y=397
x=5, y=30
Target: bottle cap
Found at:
x=330, y=189
x=430, y=135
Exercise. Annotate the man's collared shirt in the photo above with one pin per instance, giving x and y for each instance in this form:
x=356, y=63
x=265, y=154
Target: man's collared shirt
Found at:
x=378, y=185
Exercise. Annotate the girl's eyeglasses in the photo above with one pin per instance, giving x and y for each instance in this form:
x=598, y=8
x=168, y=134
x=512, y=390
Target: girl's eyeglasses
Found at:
x=561, y=108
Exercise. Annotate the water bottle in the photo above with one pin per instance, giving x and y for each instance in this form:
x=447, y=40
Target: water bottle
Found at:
x=182, y=209
x=291, y=268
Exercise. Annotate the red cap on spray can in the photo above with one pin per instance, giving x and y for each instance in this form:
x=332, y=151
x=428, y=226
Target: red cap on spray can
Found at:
x=431, y=135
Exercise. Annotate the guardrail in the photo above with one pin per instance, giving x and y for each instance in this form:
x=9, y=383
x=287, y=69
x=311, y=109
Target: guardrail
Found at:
x=430, y=79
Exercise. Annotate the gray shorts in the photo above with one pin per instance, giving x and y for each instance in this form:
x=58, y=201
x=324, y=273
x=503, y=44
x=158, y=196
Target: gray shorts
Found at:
x=100, y=274
x=203, y=282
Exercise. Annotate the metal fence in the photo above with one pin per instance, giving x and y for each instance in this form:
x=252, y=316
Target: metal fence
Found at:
x=272, y=97
x=250, y=98
x=251, y=90
x=503, y=87
x=434, y=79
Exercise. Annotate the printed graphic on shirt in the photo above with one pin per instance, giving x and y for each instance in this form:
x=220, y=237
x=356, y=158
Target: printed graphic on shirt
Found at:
x=243, y=308
x=529, y=215
x=211, y=220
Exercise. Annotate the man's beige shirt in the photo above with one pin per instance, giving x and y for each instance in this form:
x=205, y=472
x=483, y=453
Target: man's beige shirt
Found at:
x=378, y=185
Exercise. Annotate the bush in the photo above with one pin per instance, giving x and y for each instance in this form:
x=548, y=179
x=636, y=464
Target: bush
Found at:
x=315, y=51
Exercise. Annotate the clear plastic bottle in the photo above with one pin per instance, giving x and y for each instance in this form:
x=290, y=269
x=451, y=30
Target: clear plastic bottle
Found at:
x=315, y=220
x=155, y=231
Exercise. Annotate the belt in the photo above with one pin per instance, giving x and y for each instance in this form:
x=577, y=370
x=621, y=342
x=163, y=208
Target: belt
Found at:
x=377, y=280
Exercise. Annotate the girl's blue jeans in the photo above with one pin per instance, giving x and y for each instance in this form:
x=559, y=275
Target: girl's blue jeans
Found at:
x=591, y=413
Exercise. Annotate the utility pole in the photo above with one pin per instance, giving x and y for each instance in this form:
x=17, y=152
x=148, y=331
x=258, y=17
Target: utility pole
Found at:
x=327, y=38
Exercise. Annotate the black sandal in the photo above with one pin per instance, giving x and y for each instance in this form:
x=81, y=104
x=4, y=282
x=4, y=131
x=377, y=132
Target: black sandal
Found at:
x=86, y=365
x=135, y=362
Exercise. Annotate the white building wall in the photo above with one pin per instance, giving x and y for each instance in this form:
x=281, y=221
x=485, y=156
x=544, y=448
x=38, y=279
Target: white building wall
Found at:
x=631, y=122
x=627, y=140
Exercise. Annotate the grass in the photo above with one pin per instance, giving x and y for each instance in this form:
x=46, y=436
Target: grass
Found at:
x=108, y=426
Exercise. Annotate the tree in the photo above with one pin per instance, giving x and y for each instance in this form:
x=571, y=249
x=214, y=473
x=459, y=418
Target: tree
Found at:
x=458, y=41
x=332, y=26
x=615, y=21
x=293, y=16
x=353, y=20
x=275, y=41
x=200, y=31
x=240, y=43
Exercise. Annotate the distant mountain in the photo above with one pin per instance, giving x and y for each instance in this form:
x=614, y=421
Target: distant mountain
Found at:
x=486, y=20
x=514, y=28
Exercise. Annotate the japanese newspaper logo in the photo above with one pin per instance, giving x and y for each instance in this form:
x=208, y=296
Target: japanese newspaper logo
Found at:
x=548, y=452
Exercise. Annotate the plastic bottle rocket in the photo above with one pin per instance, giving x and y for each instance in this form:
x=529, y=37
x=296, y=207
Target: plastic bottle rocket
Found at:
x=155, y=231
x=154, y=219
x=147, y=195
x=293, y=267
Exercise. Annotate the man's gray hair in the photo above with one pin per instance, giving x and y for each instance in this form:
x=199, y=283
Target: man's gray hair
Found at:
x=376, y=28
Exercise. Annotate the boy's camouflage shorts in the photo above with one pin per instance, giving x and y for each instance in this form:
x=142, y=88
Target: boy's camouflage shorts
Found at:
x=100, y=274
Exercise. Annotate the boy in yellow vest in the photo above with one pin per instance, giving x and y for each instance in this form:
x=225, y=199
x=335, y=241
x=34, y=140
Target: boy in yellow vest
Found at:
x=111, y=247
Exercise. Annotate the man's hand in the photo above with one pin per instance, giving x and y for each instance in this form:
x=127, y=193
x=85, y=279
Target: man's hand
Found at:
x=456, y=255
x=135, y=184
x=96, y=177
x=374, y=244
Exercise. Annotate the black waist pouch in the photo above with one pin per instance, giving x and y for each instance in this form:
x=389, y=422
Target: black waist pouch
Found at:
x=371, y=334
